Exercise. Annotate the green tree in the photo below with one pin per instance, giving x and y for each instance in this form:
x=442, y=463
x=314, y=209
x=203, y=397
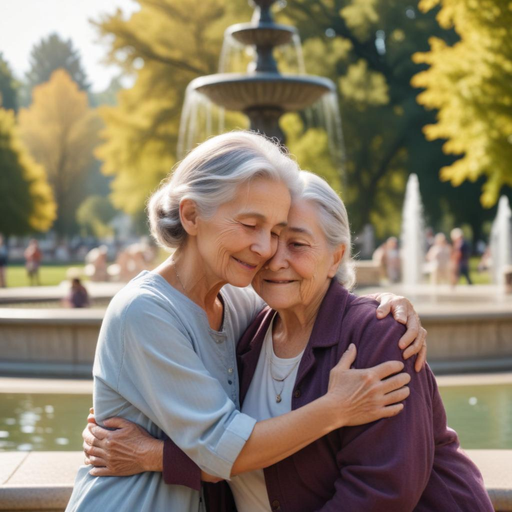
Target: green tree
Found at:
x=365, y=47
x=49, y=55
x=8, y=86
x=108, y=96
x=94, y=214
x=469, y=83
x=61, y=132
x=26, y=199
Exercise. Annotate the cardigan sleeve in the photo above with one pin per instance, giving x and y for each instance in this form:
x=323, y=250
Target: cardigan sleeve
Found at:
x=385, y=465
x=179, y=468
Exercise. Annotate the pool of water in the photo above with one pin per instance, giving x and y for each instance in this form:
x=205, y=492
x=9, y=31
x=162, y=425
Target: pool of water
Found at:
x=42, y=422
x=482, y=416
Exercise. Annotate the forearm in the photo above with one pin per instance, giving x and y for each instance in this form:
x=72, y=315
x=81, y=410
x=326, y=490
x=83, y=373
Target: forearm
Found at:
x=277, y=438
x=152, y=456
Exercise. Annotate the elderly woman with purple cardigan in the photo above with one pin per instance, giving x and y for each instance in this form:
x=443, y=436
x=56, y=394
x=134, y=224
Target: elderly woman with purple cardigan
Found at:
x=411, y=461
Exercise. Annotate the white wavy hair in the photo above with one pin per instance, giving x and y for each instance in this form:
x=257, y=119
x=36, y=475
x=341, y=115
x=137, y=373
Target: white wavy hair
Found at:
x=334, y=221
x=210, y=175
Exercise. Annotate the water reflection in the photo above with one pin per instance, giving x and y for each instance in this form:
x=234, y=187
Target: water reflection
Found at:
x=482, y=416
x=42, y=422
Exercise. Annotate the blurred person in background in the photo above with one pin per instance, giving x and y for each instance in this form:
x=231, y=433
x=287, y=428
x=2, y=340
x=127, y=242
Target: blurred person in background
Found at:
x=33, y=257
x=459, y=256
x=429, y=238
x=438, y=258
x=77, y=296
x=392, y=260
x=3, y=262
x=96, y=264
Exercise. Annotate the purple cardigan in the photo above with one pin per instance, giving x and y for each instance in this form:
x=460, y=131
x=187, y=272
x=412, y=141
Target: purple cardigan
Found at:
x=409, y=462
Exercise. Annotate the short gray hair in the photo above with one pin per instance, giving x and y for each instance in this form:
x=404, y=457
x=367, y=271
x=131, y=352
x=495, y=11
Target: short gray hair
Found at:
x=334, y=222
x=210, y=174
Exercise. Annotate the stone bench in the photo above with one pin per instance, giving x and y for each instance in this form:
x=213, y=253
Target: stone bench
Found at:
x=43, y=481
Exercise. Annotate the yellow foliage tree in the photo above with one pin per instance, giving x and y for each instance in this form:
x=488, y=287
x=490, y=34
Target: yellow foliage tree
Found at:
x=167, y=44
x=26, y=199
x=61, y=132
x=470, y=84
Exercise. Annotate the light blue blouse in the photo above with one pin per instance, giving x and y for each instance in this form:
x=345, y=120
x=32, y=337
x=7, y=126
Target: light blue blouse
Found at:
x=158, y=363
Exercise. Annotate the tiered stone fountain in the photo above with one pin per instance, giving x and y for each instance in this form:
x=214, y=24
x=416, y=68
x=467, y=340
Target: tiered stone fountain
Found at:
x=263, y=93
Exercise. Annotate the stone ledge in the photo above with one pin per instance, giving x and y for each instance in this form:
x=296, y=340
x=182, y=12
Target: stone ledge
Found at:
x=34, y=497
x=468, y=366
x=33, y=317
x=38, y=481
x=43, y=481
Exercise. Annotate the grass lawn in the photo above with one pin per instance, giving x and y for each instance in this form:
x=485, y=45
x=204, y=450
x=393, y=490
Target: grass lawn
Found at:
x=50, y=275
x=477, y=277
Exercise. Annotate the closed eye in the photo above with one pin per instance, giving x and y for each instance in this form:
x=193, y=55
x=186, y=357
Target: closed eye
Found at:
x=247, y=225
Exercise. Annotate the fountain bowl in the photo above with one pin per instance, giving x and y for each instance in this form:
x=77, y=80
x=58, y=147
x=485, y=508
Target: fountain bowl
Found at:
x=263, y=34
x=243, y=92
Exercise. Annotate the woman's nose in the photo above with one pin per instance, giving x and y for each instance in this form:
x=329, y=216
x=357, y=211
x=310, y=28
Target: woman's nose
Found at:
x=263, y=245
x=279, y=260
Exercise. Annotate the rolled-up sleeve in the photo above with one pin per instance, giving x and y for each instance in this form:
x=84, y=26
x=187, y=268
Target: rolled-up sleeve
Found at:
x=166, y=380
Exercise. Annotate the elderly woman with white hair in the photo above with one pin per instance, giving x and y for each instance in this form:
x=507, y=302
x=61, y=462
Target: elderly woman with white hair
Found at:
x=166, y=357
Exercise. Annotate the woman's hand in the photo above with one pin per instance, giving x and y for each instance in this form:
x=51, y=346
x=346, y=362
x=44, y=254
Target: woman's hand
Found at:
x=363, y=396
x=127, y=450
x=415, y=338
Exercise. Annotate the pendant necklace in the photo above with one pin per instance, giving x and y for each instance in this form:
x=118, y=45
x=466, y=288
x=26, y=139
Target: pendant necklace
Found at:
x=280, y=381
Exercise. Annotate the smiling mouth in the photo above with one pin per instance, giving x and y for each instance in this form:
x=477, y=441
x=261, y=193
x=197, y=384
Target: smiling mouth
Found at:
x=272, y=281
x=248, y=266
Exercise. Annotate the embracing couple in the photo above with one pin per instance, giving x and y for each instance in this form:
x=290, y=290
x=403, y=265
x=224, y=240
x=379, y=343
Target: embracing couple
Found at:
x=292, y=394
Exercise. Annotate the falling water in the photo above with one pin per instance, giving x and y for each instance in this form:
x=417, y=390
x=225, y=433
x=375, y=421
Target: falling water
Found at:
x=325, y=114
x=200, y=119
x=413, y=247
x=501, y=241
x=297, y=51
x=233, y=57
x=334, y=131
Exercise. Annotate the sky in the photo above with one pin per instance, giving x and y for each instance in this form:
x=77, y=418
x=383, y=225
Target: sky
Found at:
x=24, y=23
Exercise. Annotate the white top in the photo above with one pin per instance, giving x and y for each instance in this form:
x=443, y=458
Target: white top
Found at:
x=158, y=363
x=249, y=489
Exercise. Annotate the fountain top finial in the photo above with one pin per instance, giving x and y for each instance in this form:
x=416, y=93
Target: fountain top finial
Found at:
x=262, y=13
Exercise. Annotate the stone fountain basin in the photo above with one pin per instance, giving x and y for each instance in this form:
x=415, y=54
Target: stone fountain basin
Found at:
x=262, y=34
x=242, y=92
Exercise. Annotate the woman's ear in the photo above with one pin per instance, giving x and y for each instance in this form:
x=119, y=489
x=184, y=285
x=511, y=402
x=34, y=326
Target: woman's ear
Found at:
x=336, y=260
x=188, y=216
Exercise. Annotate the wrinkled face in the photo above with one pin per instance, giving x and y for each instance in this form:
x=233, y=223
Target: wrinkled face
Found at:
x=243, y=233
x=301, y=270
